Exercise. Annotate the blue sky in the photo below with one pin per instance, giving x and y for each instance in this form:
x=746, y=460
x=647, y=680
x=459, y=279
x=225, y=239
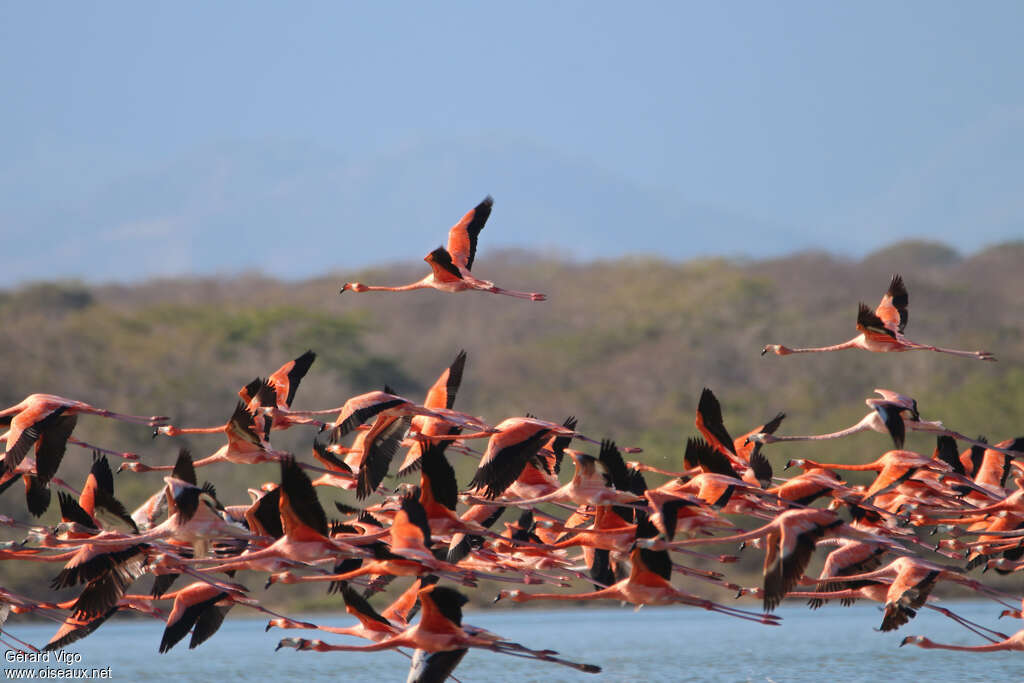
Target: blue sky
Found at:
x=839, y=126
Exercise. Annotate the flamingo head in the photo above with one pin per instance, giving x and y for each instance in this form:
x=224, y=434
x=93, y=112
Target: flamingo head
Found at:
x=512, y=595
x=353, y=287
x=165, y=430
x=777, y=349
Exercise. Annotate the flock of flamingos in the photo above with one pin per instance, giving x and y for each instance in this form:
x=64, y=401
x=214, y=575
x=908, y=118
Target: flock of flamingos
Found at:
x=607, y=523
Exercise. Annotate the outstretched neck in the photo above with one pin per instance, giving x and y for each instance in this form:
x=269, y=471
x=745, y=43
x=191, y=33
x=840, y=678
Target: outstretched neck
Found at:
x=851, y=344
x=419, y=284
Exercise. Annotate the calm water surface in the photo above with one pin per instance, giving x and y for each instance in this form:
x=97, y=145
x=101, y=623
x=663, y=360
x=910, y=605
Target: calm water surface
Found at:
x=653, y=644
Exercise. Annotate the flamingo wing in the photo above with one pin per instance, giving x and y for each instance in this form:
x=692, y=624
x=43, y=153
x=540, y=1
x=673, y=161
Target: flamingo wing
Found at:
x=444, y=268
x=506, y=456
x=893, y=308
x=463, y=235
x=76, y=627
x=53, y=441
x=264, y=516
x=439, y=475
x=442, y=393
x=360, y=608
x=242, y=427
x=183, y=618
x=207, y=623
x=700, y=453
x=872, y=326
x=359, y=409
x=286, y=380
x=386, y=437
x=22, y=436
x=298, y=503
x=710, y=423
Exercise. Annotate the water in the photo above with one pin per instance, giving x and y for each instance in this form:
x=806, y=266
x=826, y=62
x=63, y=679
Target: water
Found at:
x=654, y=644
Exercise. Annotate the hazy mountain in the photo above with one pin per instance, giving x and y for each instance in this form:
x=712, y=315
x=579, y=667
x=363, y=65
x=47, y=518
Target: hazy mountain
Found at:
x=292, y=210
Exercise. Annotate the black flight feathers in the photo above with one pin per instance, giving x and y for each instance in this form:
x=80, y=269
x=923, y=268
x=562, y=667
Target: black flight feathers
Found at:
x=183, y=468
x=455, y=371
x=442, y=259
x=499, y=472
x=363, y=414
x=449, y=602
x=900, y=299
x=867, y=321
x=53, y=440
x=440, y=475
x=190, y=617
x=945, y=450
x=379, y=454
x=357, y=603
x=417, y=515
x=302, y=496
x=709, y=412
x=700, y=453
x=16, y=451
x=300, y=366
x=480, y=215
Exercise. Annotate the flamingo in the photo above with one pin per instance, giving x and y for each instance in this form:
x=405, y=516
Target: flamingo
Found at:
x=440, y=395
x=882, y=330
x=40, y=417
x=891, y=414
x=647, y=584
x=440, y=629
x=283, y=382
x=1014, y=642
x=747, y=456
x=245, y=446
x=200, y=608
x=450, y=267
x=517, y=440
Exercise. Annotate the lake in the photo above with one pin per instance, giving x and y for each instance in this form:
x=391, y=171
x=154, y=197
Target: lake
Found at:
x=652, y=644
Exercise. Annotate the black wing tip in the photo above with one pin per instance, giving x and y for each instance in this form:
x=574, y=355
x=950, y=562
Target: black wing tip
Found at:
x=772, y=425
x=897, y=289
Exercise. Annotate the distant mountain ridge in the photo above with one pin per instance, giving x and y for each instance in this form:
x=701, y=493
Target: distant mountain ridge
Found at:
x=293, y=210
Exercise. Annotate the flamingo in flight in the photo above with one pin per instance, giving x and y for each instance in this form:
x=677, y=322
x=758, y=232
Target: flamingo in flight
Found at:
x=40, y=415
x=450, y=267
x=882, y=330
x=1014, y=642
x=893, y=414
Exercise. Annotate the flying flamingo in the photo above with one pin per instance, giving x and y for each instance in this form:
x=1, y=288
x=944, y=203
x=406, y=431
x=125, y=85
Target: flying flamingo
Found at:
x=283, y=383
x=28, y=419
x=440, y=629
x=245, y=444
x=648, y=583
x=882, y=330
x=1014, y=642
x=741, y=453
x=450, y=267
x=440, y=395
x=893, y=414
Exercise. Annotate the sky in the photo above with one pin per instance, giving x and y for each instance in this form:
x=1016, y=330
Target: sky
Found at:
x=157, y=137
